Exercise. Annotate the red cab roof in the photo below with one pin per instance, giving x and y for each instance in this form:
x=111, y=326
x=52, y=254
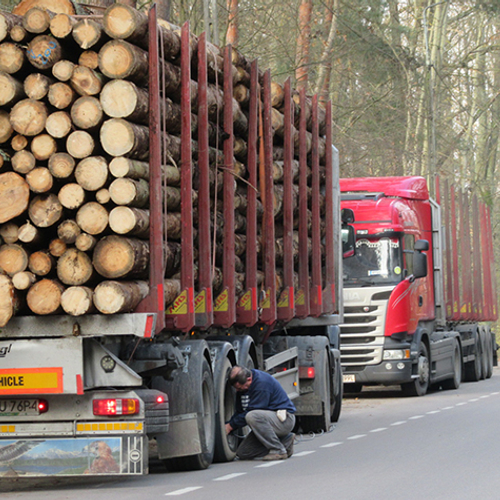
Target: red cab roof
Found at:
x=412, y=188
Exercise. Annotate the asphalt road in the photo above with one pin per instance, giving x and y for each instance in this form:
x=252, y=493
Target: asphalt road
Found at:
x=442, y=446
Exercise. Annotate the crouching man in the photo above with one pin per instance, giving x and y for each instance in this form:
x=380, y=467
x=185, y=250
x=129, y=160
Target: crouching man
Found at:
x=263, y=405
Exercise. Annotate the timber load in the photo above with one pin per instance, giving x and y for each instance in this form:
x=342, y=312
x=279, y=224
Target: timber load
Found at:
x=140, y=164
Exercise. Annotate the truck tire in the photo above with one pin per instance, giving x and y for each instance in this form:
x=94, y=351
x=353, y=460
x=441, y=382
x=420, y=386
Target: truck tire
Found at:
x=353, y=388
x=473, y=368
x=320, y=423
x=338, y=394
x=454, y=382
x=489, y=356
x=419, y=386
x=225, y=445
x=206, y=426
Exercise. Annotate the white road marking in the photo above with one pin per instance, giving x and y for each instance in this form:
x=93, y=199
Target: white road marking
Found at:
x=331, y=445
x=303, y=453
x=484, y=396
x=184, y=490
x=270, y=464
x=461, y=404
x=357, y=436
x=433, y=412
x=380, y=429
x=473, y=400
x=416, y=417
x=495, y=393
x=447, y=408
x=229, y=476
x=401, y=422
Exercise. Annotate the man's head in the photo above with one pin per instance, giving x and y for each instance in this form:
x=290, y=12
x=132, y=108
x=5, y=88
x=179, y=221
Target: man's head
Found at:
x=240, y=378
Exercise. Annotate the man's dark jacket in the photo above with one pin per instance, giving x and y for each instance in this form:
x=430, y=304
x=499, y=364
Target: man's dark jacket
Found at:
x=265, y=393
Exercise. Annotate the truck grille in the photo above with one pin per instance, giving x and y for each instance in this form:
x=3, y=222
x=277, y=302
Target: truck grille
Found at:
x=362, y=333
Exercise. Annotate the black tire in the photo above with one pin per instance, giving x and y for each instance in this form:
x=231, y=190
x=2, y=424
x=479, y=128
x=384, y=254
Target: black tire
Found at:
x=454, y=382
x=420, y=385
x=337, y=395
x=473, y=369
x=484, y=354
x=353, y=388
x=320, y=423
x=225, y=445
x=489, y=356
x=206, y=426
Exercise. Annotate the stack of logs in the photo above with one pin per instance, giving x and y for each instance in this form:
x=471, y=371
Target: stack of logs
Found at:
x=74, y=141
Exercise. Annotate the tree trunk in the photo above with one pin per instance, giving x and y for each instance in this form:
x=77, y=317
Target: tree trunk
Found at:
x=232, y=25
x=18, y=143
x=113, y=297
x=6, y=129
x=7, y=22
x=80, y=144
x=74, y=267
x=44, y=297
x=172, y=289
x=9, y=232
x=28, y=117
x=130, y=221
x=86, y=81
x=120, y=59
x=63, y=70
x=11, y=90
x=41, y=263
x=61, y=95
x=57, y=247
x=89, y=59
x=45, y=210
x=14, y=196
x=72, y=196
x=61, y=25
x=9, y=302
x=120, y=137
x=23, y=162
x=130, y=192
x=87, y=112
x=40, y=180
x=85, y=242
x=23, y=280
x=11, y=58
x=18, y=34
x=68, y=230
x=61, y=165
x=87, y=33
x=173, y=224
x=43, y=146
x=61, y=6
x=119, y=257
x=44, y=51
x=123, y=99
x=303, y=44
x=102, y=196
x=77, y=300
x=92, y=173
x=13, y=259
x=36, y=85
x=92, y=218
x=58, y=124
x=125, y=167
x=37, y=20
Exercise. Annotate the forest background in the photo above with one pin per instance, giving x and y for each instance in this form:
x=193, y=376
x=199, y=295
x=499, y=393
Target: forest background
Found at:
x=414, y=84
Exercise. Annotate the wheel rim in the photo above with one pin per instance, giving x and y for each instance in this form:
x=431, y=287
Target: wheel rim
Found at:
x=423, y=371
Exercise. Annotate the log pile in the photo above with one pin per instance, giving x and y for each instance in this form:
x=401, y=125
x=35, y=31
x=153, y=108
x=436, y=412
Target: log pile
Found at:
x=74, y=173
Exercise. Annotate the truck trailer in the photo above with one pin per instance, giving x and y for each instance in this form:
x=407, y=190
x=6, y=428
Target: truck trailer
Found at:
x=233, y=254
x=419, y=285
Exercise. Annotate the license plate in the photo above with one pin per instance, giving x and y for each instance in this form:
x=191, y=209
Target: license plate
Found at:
x=18, y=407
x=349, y=379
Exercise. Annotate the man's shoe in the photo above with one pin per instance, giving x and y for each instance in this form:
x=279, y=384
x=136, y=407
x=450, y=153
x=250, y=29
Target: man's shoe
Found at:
x=274, y=456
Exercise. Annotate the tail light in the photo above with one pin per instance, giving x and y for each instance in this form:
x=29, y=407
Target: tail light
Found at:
x=43, y=406
x=112, y=407
x=307, y=372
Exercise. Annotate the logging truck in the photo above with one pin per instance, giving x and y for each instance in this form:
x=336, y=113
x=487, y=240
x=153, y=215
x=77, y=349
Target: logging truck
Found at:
x=419, y=286
x=166, y=212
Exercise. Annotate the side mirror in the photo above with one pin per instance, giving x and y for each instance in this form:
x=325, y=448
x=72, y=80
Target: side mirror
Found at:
x=348, y=241
x=420, y=259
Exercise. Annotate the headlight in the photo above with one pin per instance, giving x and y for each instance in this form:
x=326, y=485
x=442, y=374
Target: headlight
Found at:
x=396, y=354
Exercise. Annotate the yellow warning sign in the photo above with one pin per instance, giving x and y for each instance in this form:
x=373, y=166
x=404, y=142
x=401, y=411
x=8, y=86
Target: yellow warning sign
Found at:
x=179, y=305
x=200, y=302
x=31, y=381
x=284, y=299
x=245, y=301
x=300, y=298
x=266, y=300
x=221, y=303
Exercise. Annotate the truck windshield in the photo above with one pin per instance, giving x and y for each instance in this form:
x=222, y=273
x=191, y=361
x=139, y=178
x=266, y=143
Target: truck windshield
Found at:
x=377, y=261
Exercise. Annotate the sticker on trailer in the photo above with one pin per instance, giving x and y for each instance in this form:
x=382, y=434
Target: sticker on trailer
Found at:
x=221, y=302
x=31, y=381
x=180, y=304
x=72, y=457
